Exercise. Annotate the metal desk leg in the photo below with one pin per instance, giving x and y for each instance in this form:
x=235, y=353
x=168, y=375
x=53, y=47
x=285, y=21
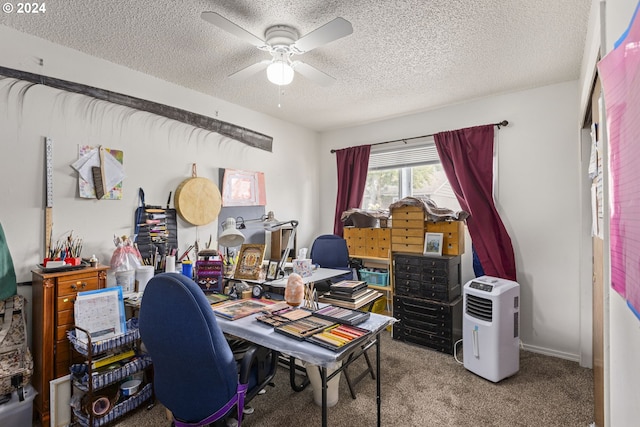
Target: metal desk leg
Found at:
x=323, y=376
x=292, y=376
x=378, y=397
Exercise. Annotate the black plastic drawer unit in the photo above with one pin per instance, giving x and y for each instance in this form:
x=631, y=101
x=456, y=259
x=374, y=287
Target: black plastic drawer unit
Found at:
x=437, y=325
x=428, y=301
x=435, y=278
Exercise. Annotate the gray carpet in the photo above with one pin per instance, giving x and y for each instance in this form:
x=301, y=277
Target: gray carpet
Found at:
x=421, y=387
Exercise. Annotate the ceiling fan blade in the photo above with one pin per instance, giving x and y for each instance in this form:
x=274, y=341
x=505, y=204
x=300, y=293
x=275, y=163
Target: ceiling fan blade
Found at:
x=329, y=32
x=313, y=74
x=250, y=70
x=223, y=23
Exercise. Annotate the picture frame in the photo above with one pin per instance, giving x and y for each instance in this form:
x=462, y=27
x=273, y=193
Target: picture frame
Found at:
x=60, y=392
x=433, y=244
x=243, y=188
x=272, y=270
x=249, y=261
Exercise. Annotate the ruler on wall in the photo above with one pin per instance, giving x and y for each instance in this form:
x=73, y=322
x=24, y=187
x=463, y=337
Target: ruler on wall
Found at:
x=48, y=210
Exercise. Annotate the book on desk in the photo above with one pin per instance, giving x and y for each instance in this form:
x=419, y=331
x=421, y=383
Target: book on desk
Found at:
x=237, y=309
x=356, y=301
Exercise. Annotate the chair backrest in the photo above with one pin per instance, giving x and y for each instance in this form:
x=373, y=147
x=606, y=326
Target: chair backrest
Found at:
x=195, y=373
x=330, y=251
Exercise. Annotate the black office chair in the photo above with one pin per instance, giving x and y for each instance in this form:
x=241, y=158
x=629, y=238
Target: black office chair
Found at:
x=331, y=251
x=195, y=374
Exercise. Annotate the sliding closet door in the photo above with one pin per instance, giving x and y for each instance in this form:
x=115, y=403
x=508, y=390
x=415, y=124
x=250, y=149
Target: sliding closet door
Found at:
x=598, y=291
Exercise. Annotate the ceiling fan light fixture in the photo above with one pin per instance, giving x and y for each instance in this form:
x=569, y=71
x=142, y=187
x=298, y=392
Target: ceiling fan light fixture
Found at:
x=279, y=72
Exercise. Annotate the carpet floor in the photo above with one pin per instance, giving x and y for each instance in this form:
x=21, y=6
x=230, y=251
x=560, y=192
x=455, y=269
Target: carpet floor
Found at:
x=425, y=388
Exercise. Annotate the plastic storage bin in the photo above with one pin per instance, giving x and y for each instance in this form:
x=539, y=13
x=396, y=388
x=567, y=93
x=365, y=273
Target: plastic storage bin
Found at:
x=376, y=278
x=18, y=414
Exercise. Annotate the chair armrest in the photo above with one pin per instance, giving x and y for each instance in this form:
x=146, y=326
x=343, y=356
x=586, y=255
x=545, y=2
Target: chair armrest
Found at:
x=257, y=356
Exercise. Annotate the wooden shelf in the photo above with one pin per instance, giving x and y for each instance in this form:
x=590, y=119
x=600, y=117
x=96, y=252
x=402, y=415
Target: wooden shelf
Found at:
x=370, y=258
x=380, y=288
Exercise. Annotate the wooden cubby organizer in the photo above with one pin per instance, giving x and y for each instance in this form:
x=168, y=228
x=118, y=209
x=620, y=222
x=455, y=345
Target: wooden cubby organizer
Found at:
x=371, y=245
x=91, y=384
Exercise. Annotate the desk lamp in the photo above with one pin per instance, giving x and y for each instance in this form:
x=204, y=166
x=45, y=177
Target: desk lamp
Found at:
x=230, y=236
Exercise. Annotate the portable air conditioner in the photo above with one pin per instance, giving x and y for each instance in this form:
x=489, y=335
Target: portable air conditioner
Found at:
x=491, y=327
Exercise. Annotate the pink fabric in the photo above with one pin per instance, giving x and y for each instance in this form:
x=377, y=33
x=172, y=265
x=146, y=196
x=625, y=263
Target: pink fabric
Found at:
x=467, y=159
x=353, y=164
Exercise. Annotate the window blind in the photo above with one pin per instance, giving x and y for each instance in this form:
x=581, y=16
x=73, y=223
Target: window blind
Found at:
x=414, y=153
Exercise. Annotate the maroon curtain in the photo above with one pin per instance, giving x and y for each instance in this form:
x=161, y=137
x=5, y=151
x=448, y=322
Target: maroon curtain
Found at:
x=353, y=164
x=467, y=159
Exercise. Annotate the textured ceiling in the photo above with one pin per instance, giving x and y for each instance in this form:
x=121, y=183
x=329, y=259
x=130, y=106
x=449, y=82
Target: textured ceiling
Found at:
x=403, y=56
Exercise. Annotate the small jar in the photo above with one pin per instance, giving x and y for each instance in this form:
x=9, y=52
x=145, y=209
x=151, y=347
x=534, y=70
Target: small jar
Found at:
x=93, y=261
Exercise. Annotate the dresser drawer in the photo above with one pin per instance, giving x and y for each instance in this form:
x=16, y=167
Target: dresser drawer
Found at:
x=66, y=303
x=434, y=279
x=410, y=288
x=420, y=307
x=404, y=261
x=75, y=284
x=405, y=247
x=425, y=339
x=407, y=275
x=407, y=212
x=64, y=322
x=441, y=326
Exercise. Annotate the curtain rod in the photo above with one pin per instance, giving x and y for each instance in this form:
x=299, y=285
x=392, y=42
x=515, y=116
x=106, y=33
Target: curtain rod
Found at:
x=502, y=123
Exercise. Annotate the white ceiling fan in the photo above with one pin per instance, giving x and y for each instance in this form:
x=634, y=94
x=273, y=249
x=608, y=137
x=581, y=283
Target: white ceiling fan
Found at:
x=282, y=42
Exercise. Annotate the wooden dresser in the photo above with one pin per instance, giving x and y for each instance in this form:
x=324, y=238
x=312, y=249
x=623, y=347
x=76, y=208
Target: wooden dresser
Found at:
x=53, y=295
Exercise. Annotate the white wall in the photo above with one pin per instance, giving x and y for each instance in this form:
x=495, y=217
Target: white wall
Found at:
x=536, y=195
x=158, y=152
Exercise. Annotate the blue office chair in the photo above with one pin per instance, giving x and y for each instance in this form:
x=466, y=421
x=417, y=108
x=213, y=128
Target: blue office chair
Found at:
x=195, y=374
x=331, y=251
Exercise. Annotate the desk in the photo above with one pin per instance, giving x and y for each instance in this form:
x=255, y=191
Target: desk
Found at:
x=249, y=329
x=317, y=275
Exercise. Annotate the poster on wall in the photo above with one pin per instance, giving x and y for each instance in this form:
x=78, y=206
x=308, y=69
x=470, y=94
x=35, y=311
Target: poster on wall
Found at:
x=243, y=188
x=620, y=71
x=88, y=159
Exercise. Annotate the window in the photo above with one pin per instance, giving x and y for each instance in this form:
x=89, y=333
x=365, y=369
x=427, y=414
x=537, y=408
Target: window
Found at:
x=398, y=170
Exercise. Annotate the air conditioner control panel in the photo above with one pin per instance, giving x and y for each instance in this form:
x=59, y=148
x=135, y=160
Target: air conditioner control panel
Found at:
x=481, y=286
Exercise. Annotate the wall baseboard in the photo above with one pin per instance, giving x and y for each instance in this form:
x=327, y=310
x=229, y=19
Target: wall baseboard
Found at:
x=550, y=352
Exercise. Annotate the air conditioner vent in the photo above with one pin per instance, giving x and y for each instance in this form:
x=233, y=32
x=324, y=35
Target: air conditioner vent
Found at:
x=480, y=308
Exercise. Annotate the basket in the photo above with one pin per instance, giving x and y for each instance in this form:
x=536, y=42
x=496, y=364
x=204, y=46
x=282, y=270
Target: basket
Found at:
x=376, y=278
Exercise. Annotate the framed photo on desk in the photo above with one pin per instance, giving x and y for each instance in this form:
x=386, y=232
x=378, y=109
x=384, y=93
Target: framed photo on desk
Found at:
x=249, y=262
x=272, y=270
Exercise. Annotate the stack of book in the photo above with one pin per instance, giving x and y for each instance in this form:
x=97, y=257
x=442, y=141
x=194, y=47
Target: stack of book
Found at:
x=350, y=294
